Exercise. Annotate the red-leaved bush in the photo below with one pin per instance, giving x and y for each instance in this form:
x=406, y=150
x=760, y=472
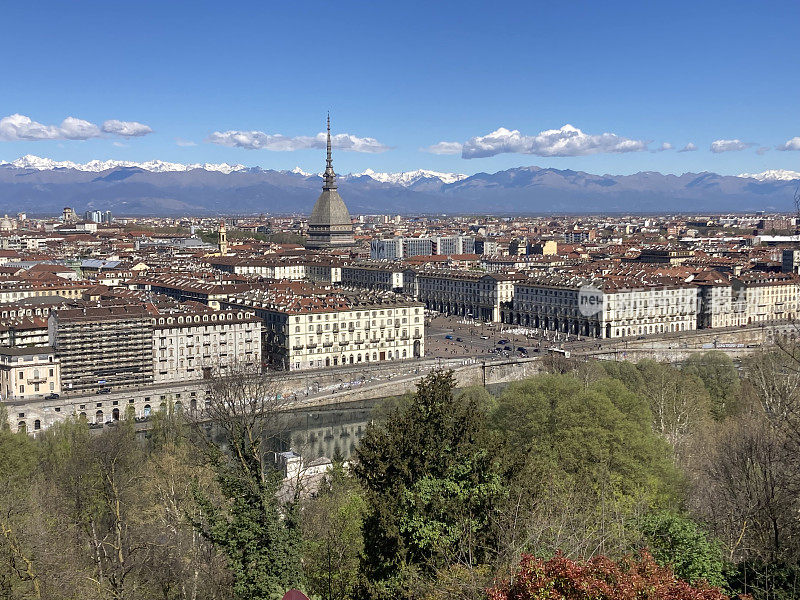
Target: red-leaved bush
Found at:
x=632, y=578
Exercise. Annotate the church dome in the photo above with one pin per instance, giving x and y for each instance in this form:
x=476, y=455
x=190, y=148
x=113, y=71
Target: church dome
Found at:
x=330, y=209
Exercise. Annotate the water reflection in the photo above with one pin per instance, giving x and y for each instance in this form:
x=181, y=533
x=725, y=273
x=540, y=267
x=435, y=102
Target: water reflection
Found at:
x=325, y=431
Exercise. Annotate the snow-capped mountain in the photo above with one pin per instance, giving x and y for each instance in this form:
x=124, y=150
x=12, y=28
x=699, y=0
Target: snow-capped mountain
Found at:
x=44, y=186
x=29, y=161
x=37, y=163
x=773, y=175
x=405, y=179
x=299, y=171
x=408, y=178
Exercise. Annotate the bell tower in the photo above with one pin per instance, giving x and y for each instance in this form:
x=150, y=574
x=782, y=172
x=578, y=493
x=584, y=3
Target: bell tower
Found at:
x=223, y=239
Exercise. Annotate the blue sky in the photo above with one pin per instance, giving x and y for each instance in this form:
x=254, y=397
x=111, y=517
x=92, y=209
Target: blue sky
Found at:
x=408, y=75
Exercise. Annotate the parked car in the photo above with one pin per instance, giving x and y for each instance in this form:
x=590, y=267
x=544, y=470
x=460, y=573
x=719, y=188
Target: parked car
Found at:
x=522, y=349
x=104, y=391
x=484, y=337
x=501, y=342
x=52, y=396
x=459, y=339
x=448, y=337
x=507, y=348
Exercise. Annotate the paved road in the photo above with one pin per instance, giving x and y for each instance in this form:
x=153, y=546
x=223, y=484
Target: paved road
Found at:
x=472, y=343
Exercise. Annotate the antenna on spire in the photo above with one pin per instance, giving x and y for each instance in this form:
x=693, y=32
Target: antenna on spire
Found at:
x=330, y=176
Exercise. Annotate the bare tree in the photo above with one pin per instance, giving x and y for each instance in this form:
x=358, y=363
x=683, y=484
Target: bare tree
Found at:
x=243, y=407
x=258, y=534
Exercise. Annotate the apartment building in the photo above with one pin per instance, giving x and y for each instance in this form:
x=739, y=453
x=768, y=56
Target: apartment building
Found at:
x=186, y=288
x=404, y=247
x=467, y=293
x=372, y=276
x=195, y=343
x=276, y=268
x=12, y=292
x=103, y=346
x=635, y=307
x=767, y=296
x=309, y=330
x=324, y=270
x=553, y=303
x=28, y=373
x=605, y=307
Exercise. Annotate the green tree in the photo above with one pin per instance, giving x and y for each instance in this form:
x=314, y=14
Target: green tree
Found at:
x=678, y=542
x=601, y=432
x=332, y=536
x=585, y=466
x=430, y=483
x=721, y=379
x=19, y=572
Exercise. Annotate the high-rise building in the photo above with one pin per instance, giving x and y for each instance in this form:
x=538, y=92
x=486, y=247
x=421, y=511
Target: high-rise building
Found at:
x=329, y=225
x=98, y=216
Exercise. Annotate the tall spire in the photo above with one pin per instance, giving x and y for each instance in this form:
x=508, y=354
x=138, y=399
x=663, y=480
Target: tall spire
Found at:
x=330, y=176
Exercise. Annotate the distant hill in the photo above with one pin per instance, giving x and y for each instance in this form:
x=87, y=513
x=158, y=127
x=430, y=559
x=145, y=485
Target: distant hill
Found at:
x=42, y=186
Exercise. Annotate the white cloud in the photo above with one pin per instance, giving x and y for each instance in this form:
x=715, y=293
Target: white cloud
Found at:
x=184, y=143
x=690, y=147
x=18, y=127
x=126, y=128
x=792, y=144
x=567, y=141
x=258, y=140
x=718, y=146
x=663, y=147
x=78, y=129
x=762, y=150
x=444, y=148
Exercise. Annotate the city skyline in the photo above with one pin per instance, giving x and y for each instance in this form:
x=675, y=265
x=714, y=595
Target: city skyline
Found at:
x=459, y=90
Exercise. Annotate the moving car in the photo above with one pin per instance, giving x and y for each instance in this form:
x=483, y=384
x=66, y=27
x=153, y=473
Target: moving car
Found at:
x=448, y=337
x=52, y=396
x=501, y=342
x=484, y=337
x=459, y=339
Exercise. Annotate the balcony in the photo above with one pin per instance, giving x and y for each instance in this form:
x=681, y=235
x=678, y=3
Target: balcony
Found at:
x=312, y=345
x=297, y=347
x=327, y=344
x=343, y=343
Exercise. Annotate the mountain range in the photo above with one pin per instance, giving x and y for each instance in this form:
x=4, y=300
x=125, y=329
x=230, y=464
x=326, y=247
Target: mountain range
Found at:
x=42, y=186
